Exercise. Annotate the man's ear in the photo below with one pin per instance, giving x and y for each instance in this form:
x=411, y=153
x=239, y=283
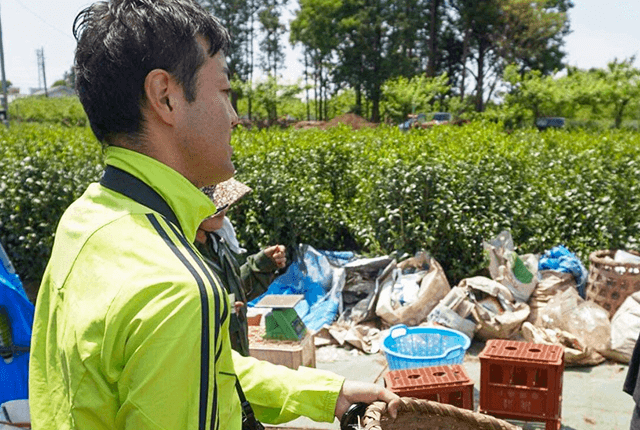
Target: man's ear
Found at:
x=162, y=92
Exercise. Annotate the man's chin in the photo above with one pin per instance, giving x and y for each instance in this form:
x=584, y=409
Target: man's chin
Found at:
x=221, y=176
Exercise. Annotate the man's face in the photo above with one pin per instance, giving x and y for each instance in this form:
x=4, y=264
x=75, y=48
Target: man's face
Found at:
x=205, y=125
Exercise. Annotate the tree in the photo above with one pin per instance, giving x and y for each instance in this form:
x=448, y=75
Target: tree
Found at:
x=409, y=37
x=269, y=95
x=315, y=28
x=499, y=32
x=621, y=86
x=532, y=34
x=403, y=96
x=237, y=16
x=531, y=95
x=363, y=60
x=270, y=45
x=477, y=22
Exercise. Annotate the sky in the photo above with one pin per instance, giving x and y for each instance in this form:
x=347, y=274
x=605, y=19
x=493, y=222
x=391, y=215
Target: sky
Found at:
x=601, y=32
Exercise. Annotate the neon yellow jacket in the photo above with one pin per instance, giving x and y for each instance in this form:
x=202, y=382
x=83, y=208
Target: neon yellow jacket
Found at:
x=131, y=327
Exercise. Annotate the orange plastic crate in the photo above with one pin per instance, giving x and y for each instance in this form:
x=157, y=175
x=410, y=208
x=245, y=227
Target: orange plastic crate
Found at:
x=444, y=384
x=521, y=380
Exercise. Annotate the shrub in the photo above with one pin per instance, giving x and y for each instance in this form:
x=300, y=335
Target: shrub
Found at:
x=65, y=111
x=444, y=190
x=43, y=168
x=374, y=191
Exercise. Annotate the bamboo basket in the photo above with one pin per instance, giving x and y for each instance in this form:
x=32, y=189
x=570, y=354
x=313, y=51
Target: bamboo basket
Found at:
x=611, y=282
x=419, y=414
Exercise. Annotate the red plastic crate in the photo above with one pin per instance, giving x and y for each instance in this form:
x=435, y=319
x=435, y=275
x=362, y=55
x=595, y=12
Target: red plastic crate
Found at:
x=522, y=380
x=443, y=384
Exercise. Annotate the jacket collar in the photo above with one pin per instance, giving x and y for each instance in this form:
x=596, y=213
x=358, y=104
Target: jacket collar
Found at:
x=190, y=205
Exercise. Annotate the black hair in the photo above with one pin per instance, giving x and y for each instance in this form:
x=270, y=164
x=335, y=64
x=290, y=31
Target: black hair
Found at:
x=121, y=41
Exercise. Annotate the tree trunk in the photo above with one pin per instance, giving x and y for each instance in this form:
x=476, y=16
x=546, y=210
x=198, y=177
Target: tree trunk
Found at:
x=431, y=64
x=375, y=110
x=315, y=94
x=251, y=36
x=376, y=91
x=480, y=79
x=620, y=112
x=306, y=84
x=322, y=100
x=465, y=55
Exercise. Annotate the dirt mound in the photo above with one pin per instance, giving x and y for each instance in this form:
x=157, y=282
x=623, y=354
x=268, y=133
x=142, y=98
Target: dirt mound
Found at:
x=355, y=121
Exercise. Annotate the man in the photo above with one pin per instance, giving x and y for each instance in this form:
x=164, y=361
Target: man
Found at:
x=632, y=385
x=131, y=327
x=216, y=240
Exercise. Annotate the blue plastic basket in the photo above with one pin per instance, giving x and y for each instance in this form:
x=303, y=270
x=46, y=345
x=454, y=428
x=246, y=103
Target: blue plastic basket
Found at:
x=410, y=347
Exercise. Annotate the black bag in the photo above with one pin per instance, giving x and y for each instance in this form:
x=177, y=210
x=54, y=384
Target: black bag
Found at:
x=249, y=421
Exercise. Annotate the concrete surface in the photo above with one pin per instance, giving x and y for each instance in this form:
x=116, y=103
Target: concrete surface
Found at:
x=592, y=396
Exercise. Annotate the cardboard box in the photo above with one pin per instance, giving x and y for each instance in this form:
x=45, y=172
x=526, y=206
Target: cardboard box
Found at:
x=285, y=352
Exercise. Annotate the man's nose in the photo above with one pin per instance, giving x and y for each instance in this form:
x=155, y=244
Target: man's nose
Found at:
x=234, y=118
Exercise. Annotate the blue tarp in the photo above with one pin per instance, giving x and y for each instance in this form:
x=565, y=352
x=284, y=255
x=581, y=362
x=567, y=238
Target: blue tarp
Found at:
x=561, y=259
x=14, y=376
x=315, y=277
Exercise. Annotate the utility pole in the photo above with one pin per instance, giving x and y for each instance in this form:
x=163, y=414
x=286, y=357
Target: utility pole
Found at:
x=40, y=53
x=5, y=103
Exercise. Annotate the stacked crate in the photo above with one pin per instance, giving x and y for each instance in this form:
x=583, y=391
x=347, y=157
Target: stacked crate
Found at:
x=521, y=380
x=443, y=384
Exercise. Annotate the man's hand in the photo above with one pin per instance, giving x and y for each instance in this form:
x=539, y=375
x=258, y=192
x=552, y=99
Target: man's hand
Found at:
x=277, y=254
x=354, y=392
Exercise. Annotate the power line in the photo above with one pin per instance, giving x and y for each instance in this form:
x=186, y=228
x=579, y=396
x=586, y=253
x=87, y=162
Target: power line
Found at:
x=43, y=20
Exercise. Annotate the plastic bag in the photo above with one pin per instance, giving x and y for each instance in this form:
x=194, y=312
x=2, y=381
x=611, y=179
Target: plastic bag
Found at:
x=518, y=273
x=496, y=312
x=556, y=312
x=318, y=280
x=561, y=259
x=408, y=293
x=361, y=289
x=551, y=282
x=590, y=322
x=584, y=319
x=625, y=327
x=17, y=314
x=453, y=310
x=576, y=353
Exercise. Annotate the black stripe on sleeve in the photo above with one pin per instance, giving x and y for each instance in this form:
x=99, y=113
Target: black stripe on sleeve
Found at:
x=204, y=339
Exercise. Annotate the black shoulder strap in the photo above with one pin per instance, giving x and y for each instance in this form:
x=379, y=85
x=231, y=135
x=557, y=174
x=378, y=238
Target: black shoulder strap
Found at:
x=128, y=185
x=249, y=420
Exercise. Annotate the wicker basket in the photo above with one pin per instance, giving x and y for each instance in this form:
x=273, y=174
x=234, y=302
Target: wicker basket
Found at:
x=418, y=414
x=610, y=282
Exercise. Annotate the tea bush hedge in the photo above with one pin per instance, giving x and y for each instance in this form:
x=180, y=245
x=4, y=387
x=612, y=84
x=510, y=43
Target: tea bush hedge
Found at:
x=444, y=190
x=43, y=168
x=375, y=191
x=65, y=111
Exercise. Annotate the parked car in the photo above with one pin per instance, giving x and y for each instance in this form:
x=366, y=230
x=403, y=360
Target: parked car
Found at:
x=413, y=121
x=420, y=120
x=441, y=117
x=544, y=123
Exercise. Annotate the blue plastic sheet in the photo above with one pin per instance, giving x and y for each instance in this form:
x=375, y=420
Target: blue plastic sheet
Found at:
x=8, y=273
x=14, y=376
x=561, y=259
x=312, y=276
